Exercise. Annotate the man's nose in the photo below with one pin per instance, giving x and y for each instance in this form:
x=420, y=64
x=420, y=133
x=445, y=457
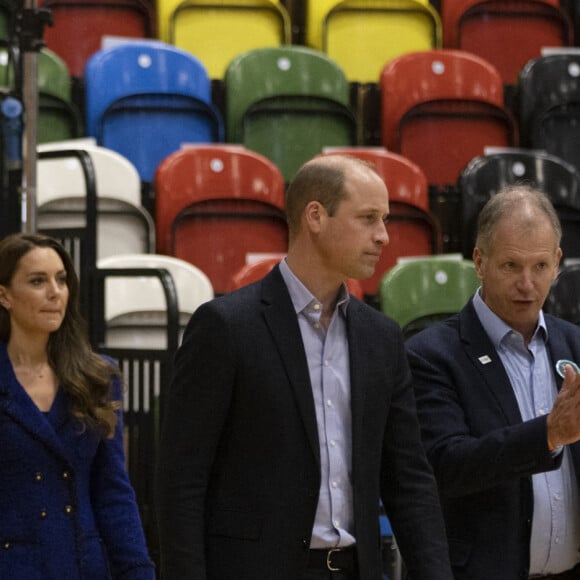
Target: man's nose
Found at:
x=526, y=280
x=382, y=235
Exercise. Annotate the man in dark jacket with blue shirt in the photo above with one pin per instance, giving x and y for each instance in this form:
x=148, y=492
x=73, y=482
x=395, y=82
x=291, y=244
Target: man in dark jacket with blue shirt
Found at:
x=292, y=412
x=499, y=404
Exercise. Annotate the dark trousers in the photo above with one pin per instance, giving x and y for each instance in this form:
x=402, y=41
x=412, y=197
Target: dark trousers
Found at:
x=311, y=574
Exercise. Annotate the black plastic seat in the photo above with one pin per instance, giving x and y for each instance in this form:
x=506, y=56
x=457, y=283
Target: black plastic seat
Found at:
x=484, y=176
x=549, y=117
x=564, y=298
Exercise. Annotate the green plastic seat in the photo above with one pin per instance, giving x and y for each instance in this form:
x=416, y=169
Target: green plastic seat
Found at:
x=421, y=291
x=288, y=103
x=7, y=17
x=58, y=117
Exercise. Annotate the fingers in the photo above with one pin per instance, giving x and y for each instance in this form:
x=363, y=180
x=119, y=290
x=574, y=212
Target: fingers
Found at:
x=570, y=374
x=564, y=419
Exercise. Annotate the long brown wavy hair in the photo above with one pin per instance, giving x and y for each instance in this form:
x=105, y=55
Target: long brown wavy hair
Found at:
x=84, y=375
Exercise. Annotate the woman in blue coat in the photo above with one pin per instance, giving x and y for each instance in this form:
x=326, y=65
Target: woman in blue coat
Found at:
x=67, y=509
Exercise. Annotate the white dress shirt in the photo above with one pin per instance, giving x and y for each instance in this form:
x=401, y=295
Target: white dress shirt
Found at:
x=328, y=363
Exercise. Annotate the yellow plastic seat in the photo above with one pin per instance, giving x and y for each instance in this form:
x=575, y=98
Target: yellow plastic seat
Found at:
x=363, y=35
x=316, y=10
x=216, y=31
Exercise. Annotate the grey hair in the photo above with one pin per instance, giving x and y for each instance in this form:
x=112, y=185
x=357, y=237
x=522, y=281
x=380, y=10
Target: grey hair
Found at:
x=504, y=203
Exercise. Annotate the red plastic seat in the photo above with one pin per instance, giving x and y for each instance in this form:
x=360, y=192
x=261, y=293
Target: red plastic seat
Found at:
x=413, y=229
x=441, y=108
x=257, y=270
x=79, y=26
x=216, y=206
x=507, y=33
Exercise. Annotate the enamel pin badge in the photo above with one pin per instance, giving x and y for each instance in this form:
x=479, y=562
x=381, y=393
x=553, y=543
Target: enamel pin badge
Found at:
x=561, y=366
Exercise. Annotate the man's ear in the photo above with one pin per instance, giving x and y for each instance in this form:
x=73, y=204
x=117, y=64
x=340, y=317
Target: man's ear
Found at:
x=558, y=258
x=478, y=262
x=314, y=214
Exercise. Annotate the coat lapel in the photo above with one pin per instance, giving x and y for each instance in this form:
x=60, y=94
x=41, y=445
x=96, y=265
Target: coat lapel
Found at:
x=15, y=402
x=487, y=363
x=559, y=347
x=280, y=318
x=358, y=360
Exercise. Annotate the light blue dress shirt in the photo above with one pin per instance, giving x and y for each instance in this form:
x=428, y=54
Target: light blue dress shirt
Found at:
x=328, y=363
x=556, y=518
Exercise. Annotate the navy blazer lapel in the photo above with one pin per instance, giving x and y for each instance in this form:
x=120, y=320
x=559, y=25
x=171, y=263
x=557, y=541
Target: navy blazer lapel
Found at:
x=281, y=319
x=15, y=402
x=487, y=363
x=558, y=346
x=359, y=360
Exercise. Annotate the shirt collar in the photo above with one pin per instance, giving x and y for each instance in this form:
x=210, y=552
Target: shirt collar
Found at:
x=496, y=328
x=302, y=298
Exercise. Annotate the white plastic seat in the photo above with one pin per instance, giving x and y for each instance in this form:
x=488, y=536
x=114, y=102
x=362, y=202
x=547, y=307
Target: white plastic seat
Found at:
x=124, y=225
x=135, y=307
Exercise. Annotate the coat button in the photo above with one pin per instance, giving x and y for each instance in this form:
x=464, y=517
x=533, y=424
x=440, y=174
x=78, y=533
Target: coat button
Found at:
x=68, y=509
x=38, y=476
x=7, y=545
x=65, y=474
x=43, y=513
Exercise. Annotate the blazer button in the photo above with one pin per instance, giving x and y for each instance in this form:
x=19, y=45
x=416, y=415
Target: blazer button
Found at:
x=68, y=509
x=43, y=513
x=65, y=474
x=7, y=545
x=38, y=476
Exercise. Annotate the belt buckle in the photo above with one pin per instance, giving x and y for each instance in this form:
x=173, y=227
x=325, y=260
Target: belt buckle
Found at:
x=328, y=562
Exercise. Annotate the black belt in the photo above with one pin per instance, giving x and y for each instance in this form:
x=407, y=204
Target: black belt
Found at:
x=334, y=559
x=573, y=574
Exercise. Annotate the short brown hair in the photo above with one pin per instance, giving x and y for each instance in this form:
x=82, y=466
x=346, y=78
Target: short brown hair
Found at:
x=321, y=179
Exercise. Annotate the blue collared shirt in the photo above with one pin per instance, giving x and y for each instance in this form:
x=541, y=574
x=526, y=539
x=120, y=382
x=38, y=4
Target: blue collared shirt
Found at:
x=556, y=521
x=328, y=363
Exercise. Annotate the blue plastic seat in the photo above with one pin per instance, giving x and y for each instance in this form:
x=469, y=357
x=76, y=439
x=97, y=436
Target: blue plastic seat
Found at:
x=145, y=99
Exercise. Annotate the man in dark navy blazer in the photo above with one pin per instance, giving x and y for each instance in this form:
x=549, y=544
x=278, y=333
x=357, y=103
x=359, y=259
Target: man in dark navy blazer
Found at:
x=499, y=423
x=291, y=412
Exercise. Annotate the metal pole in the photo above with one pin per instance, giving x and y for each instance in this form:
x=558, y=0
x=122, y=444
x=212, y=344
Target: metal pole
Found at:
x=30, y=98
x=32, y=22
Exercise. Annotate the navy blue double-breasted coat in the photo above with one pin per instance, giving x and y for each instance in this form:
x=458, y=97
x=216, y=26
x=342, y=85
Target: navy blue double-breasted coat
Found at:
x=67, y=509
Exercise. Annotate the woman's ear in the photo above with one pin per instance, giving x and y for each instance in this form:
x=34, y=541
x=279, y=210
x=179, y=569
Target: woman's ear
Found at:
x=4, y=301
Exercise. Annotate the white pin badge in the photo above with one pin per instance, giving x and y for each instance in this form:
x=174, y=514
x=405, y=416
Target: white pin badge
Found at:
x=561, y=366
x=484, y=359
